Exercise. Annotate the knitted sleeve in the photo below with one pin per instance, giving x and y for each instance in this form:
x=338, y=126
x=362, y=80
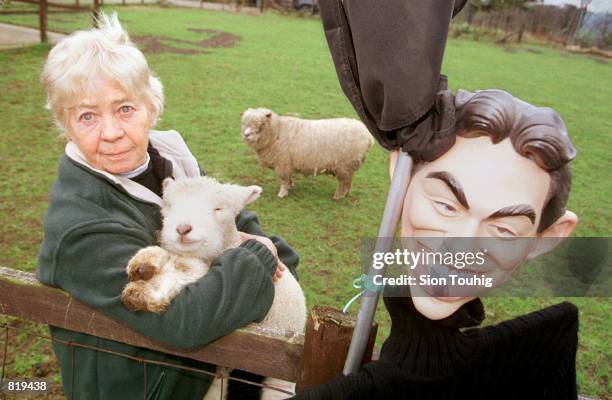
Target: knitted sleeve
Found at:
x=361, y=385
x=548, y=338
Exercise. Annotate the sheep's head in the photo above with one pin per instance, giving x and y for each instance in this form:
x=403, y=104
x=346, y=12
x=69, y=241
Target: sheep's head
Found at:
x=255, y=127
x=199, y=215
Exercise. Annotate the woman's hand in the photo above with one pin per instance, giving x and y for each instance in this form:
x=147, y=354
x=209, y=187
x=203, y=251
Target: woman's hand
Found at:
x=280, y=267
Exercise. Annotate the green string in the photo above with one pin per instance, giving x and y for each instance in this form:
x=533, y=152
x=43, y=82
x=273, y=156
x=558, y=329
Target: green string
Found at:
x=358, y=283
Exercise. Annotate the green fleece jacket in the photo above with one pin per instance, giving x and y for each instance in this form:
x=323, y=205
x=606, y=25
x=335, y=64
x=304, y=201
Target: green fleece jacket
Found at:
x=93, y=226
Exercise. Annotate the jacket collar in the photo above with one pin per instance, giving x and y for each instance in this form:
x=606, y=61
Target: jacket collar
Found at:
x=170, y=145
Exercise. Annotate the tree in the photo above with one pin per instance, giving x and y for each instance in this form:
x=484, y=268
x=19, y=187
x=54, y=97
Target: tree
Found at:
x=603, y=28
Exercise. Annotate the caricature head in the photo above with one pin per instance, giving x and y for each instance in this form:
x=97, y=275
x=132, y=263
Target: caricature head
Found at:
x=507, y=175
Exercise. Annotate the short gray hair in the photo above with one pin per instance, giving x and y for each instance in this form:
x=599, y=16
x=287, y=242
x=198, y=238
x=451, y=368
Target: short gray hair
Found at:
x=78, y=61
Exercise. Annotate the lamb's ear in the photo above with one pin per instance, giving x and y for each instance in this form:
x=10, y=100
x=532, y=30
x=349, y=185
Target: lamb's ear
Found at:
x=248, y=194
x=255, y=192
x=166, y=183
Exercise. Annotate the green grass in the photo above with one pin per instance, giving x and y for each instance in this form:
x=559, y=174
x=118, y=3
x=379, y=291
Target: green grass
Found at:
x=283, y=63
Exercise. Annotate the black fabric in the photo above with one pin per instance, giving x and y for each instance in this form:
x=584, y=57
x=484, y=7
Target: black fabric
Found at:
x=388, y=60
x=530, y=357
x=243, y=391
x=158, y=169
x=458, y=6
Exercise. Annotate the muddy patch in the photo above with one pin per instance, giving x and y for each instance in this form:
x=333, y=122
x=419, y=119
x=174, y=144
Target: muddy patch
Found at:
x=153, y=44
x=217, y=38
x=161, y=44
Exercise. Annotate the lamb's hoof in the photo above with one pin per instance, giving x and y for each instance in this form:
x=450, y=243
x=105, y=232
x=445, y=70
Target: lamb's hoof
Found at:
x=146, y=263
x=136, y=297
x=133, y=296
x=283, y=193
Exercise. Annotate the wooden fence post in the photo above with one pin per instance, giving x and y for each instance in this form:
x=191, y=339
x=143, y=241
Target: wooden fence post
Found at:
x=42, y=17
x=326, y=344
x=95, y=13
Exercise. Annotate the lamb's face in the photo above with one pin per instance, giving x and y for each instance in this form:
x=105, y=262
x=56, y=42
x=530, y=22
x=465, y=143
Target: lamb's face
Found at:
x=254, y=126
x=199, y=215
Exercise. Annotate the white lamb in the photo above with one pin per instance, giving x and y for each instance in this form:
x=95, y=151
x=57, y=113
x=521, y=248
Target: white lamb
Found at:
x=198, y=225
x=336, y=146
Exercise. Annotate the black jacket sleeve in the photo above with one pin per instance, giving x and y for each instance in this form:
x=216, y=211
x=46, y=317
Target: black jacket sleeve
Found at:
x=388, y=58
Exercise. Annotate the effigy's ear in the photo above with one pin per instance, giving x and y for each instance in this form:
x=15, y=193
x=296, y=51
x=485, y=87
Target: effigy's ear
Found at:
x=552, y=236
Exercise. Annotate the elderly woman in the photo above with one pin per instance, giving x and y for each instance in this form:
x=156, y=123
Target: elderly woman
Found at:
x=105, y=206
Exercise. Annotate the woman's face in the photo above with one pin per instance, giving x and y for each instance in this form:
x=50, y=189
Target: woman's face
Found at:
x=111, y=128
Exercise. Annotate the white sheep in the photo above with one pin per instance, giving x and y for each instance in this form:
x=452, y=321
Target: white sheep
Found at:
x=335, y=146
x=198, y=225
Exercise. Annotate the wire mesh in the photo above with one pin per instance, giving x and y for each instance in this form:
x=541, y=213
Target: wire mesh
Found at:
x=6, y=332
x=221, y=373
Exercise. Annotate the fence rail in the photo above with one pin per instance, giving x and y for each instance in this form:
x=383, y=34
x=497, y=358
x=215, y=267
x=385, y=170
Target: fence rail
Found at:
x=307, y=360
x=250, y=349
x=43, y=10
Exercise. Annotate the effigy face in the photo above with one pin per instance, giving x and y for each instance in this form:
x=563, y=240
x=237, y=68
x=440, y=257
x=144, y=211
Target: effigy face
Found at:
x=476, y=190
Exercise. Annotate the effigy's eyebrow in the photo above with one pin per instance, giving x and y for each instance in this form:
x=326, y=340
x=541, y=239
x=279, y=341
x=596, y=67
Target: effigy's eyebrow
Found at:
x=524, y=210
x=453, y=184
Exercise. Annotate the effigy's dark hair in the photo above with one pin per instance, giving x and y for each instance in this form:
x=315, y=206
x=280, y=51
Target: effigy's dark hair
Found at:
x=536, y=133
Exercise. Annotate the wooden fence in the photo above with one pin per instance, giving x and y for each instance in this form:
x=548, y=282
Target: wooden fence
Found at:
x=307, y=360
x=43, y=10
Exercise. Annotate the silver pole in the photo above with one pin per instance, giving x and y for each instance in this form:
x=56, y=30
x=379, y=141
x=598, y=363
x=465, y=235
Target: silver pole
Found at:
x=388, y=227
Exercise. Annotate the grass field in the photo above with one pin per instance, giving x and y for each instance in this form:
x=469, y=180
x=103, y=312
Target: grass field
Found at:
x=283, y=63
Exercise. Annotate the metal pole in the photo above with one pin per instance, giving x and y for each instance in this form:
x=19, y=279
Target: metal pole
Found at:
x=388, y=227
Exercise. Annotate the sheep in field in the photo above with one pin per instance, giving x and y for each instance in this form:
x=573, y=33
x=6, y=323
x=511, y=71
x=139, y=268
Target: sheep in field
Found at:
x=336, y=146
x=204, y=208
